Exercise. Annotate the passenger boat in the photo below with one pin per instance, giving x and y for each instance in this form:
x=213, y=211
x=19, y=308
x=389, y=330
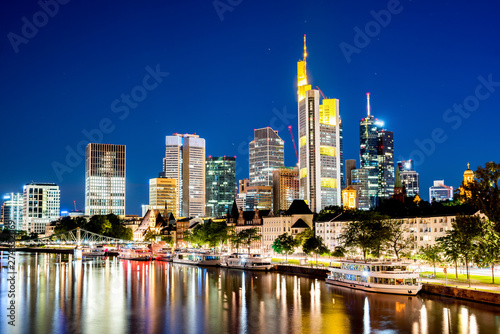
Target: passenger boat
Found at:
x=197, y=258
x=243, y=261
x=94, y=252
x=167, y=257
x=384, y=277
x=135, y=255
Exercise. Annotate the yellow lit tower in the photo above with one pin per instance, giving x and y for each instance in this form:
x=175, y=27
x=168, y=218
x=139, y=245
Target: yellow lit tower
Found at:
x=468, y=179
x=320, y=144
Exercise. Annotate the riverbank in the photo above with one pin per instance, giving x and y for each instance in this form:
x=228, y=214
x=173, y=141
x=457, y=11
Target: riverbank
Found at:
x=471, y=294
x=301, y=270
x=40, y=250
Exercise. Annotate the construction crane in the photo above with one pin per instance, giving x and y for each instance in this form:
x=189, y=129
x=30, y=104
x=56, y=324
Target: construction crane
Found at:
x=74, y=202
x=293, y=141
x=321, y=92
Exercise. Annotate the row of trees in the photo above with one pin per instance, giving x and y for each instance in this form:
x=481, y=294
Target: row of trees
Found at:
x=108, y=225
x=310, y=243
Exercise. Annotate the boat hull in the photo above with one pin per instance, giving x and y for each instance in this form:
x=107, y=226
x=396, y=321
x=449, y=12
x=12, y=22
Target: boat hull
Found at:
x=198, y=263
x=140, y=258
x=408, y=290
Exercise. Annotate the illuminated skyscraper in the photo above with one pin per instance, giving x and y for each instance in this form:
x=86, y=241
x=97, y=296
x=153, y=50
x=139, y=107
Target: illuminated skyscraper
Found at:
x=41, y=206
x=320, y=144
x=185, y=162
x=376, y=156
x=163, y=194
x=409, y=177
x=220, y=185
x=105, y=170
x=12, y=209
x=440, y=192
x=285, y=188
x=266, y=154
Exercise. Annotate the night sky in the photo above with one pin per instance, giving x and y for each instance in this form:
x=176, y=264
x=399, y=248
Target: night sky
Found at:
x=224, y=73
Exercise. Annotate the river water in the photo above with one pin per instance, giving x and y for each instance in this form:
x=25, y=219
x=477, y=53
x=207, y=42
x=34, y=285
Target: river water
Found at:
x=55, y=294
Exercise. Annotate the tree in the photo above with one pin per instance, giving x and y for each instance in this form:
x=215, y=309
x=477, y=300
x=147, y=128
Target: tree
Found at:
x=484, y=191
x=396, y=238
x=247, y=236
x=150, y=236
x=168, y=240
x=69, y=223
x=488, y=248
x=451, y=253
x=431, y=254
x=303, y=236
x=235, y=239
x=316, y=246
x=338, y=252
x=284, y=244
x=368, y=231
x=99, y=224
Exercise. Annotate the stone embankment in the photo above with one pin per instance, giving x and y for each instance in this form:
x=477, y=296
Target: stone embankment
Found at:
x=467, y=294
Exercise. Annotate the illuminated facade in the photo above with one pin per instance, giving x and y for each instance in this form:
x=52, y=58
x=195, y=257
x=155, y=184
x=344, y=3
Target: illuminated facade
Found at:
x=12, y=209
x=360, y=184
x=41, y=206
x=377, y=156
x=285, y=187
x=163, y=194
x=468, y=179
x=320, y=145
x=440, y=192
x=185, y=162
x=220, y=185
x=259, y=197
x=349, y=198
x=409, y=177
x=266, y=154
x=105, y=171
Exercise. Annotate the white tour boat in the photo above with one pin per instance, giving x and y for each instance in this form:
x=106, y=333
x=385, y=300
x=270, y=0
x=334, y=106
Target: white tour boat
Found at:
x=197, y=258
x=384, y=277
x=243, y=261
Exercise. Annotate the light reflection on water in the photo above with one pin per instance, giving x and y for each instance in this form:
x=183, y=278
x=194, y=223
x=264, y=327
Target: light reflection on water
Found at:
x=58, y=295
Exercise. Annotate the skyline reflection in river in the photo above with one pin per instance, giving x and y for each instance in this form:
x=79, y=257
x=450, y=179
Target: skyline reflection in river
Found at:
x=58, y=295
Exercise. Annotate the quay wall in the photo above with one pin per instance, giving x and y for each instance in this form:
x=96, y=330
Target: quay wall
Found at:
x=40, y=250
x=298, y=270
x=467, y=294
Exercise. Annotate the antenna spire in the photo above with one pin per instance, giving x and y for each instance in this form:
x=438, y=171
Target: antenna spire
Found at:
x=368, y=108
x=305, y=48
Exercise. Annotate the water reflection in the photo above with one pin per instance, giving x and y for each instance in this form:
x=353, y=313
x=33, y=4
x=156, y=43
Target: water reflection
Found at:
x=57, y=294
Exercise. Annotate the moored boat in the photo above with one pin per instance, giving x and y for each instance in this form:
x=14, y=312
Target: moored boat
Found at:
x=135, y=255
x=383, y=277
x=197, y=258
x=243, y=261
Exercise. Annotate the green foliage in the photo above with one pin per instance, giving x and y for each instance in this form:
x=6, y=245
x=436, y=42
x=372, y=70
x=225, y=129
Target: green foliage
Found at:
x=339, y=252
x=150, y=236
x=369, y=231
x=245, y=237
x=169, y=240
x=210, y=233
x=69, y=223
x=396, y=241
x=431, y=255
x=99, y=224
x=284, y=244
x=303, y=236
x=316, y=246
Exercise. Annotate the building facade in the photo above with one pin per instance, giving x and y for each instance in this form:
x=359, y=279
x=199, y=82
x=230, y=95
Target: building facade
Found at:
x=220, y=185
x=409, y=177
x=185, y=162
x=320, y=145
x=259, y=197
x=360, y=183
x=440, y=192
x=266, y=154
x=285, y=188
x=41, y=206
x=163, y=194
x=12, y=209
x=105, y=173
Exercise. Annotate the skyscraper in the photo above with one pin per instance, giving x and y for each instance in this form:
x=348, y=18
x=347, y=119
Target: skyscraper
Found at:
x=285, y=187
x=350, y=164
x=320, y=144
x=41, y=206
x=376, y=156
x=360, y=184
x=163, y=194
x=440, y=192
x=105, y=171
x=185, y=162
x=266, y=154
x=12, y=209
x=409, y=177
x=220, y=185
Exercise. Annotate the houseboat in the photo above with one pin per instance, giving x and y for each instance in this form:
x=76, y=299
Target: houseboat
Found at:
x=384, y=277
x=243, y=261
x=197, y=258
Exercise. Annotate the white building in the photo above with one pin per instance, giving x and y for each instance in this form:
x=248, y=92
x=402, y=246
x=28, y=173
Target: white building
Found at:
x=440, y=192
x=105, y=171
x=12, y=209
x=41, y=206
x=185, y=162
x=266, y=154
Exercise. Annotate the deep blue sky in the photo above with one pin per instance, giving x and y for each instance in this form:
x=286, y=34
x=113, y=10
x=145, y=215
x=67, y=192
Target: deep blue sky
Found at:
x=226, y=78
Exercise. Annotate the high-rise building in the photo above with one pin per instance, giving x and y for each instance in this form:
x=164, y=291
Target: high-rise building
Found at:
x=266, y=154
x=409, y=177
x=185, y=162
x=163, y=194
x=259, y=197
x=220, y=185
x=350, y=164
x=320, y=144
x=243, y=185
x=360, y=184
x=41, y=206
x=105, y=172
x=285, y=187
x=12, y=209
x=440, y=192
x=377, y=156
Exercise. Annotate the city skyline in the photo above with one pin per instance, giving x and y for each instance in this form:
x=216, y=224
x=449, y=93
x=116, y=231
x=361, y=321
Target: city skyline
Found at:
x=416, y=77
